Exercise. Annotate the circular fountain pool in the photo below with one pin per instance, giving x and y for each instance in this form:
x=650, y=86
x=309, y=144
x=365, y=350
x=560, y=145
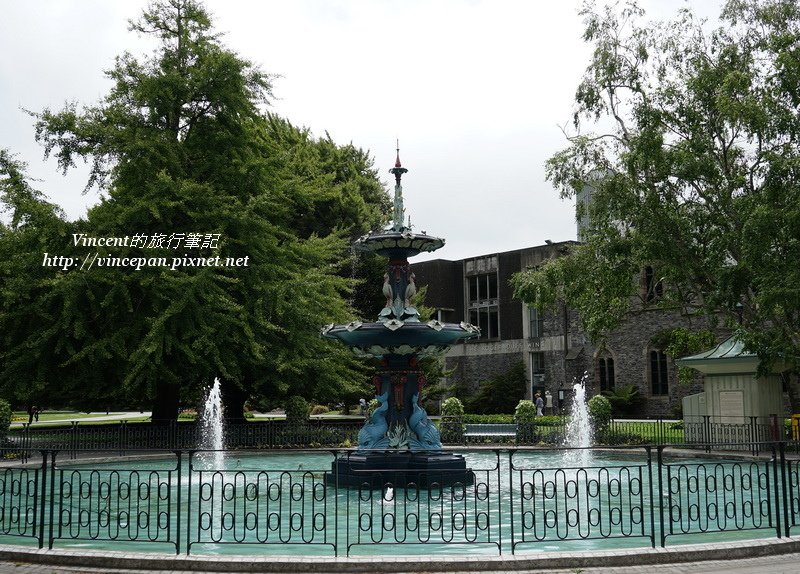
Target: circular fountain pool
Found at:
x=521, y=500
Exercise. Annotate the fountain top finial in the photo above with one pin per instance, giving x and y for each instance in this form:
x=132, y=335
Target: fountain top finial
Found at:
x=398, y=241
x=397, y=161
x=398, y=170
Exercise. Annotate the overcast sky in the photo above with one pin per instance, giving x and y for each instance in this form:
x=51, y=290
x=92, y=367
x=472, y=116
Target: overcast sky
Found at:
x=476, y=91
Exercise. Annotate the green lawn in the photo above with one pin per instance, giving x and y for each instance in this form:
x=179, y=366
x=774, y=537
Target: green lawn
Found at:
x=47, y=416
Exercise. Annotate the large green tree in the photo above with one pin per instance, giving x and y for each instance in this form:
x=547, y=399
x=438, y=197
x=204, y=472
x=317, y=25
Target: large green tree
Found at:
x=694, y=158
x=181, y=145
x=33, y=229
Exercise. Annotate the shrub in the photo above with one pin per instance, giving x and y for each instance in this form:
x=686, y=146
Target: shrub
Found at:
x=452, y=429
x=549, y=421
x=5, y=417
x=600, y=411
x=525, y=411
x=452, y=407
x=297, y=410
x=625, y=400
x=524, y=416
x=501, y=393
x=319, y=409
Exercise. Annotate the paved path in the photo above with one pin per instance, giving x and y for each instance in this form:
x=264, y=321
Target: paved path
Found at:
x=762, y=556
x=784, y=564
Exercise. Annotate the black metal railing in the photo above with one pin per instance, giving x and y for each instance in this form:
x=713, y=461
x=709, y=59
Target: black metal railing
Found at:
x=512, y=500
x=706, y=432
x=734, y=433
x=124, y=437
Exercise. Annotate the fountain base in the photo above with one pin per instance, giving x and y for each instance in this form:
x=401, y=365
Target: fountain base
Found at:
x=424, y=469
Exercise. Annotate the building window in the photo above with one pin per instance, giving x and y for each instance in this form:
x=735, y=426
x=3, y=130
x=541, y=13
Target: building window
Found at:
x=537, y=363
x=482, y=288
x=537, y=370
x=483, y=308
x=536, y=322
x=605, y=372
x=659, y=379
x=485, y=318
x=653, y=287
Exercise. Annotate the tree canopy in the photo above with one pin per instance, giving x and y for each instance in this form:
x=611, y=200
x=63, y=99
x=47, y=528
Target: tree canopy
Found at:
x=29, y=350
x=182, y=146
x=694, y=164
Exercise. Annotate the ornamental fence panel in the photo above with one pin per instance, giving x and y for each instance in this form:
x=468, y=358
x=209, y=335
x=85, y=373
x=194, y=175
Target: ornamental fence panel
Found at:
x=22, y=490
x=580, y=500
x=441, y=508
x=127, y=502
x=295, y=501
x=124, y=437
x=698, y=498
x=792, y=501
x=270, y=503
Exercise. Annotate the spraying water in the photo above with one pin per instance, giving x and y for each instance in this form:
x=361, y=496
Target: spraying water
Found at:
x=211, y=429
x=579, y=430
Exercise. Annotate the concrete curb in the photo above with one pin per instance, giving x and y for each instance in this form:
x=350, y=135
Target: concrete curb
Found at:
x=374, y=564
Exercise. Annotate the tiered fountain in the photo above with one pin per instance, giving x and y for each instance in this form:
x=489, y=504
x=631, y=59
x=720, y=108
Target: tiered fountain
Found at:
x=398, y=443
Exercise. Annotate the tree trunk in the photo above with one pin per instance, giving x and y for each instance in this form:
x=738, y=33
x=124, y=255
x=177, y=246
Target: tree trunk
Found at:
x=233, y=399
x=165, y=404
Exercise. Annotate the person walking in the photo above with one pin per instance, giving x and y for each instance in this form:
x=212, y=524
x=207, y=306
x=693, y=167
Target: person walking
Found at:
x=539, y=405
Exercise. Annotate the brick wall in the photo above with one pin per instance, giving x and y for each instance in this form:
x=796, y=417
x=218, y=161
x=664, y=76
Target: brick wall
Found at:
x=630, y=347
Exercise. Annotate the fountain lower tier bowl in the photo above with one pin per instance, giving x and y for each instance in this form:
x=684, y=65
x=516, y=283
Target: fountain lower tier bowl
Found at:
x=400, y=338
x=423, y=469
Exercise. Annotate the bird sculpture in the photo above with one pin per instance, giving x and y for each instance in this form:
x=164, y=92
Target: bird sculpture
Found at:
x=387, y=290
x=411, y=289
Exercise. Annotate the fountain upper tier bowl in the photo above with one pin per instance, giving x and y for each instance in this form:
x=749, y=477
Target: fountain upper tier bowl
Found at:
x=395, y=337
x=393, y=243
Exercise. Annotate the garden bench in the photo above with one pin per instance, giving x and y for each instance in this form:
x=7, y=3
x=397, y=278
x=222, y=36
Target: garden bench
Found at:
x=490, y=430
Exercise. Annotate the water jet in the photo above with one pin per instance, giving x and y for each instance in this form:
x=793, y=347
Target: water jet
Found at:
x=212, y=430
x=578, y=435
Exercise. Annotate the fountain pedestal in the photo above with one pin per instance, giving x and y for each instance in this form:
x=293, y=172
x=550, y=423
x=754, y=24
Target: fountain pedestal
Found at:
x=422, y=468
x=398, y=443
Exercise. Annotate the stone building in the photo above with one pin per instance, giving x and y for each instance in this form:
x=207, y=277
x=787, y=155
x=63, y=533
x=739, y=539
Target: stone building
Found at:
x=555, y=350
